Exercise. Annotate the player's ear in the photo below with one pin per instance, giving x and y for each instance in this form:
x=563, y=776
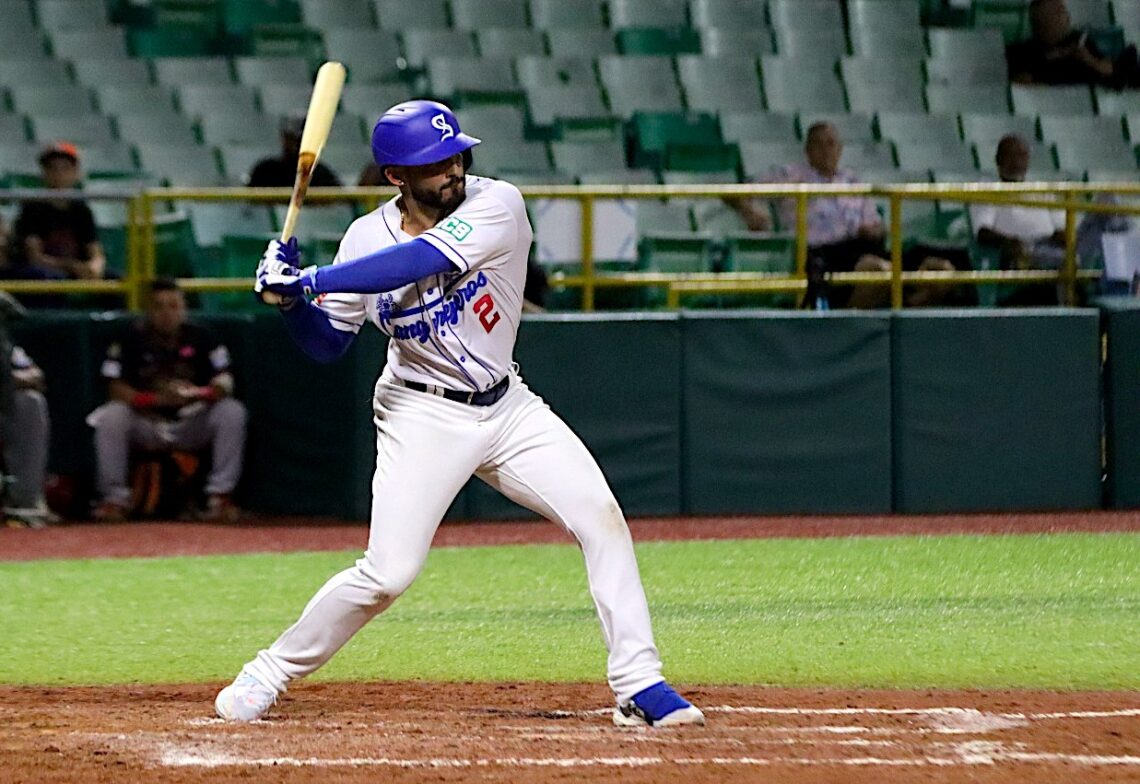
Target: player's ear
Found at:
x=393, y=176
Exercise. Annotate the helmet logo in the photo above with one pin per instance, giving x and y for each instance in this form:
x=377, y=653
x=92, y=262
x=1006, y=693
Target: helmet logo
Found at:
x=440, y=123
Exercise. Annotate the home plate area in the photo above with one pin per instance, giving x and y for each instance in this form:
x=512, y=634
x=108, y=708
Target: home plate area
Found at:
x=545, y=732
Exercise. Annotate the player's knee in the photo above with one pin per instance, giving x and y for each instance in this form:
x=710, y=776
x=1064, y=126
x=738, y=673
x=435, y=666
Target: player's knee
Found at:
x=600, y=513
x=113, y=417
x=388, y=581
x=229, y=414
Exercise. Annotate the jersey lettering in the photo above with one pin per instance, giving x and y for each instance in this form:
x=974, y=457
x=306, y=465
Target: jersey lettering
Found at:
x=485, y=307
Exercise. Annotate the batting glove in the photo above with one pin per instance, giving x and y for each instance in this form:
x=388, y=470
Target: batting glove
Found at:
x=279, y=262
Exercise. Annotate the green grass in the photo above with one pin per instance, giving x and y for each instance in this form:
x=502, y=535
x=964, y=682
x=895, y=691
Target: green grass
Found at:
x=1059, y=611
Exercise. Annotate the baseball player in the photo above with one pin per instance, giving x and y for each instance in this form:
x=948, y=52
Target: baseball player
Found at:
x=440, y=270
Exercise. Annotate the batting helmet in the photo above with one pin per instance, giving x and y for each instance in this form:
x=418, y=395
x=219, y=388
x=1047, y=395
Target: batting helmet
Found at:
x=415, y=133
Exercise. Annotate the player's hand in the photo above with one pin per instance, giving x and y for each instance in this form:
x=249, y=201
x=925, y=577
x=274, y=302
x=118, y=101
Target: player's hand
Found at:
x=288, y=282
x=279, y=259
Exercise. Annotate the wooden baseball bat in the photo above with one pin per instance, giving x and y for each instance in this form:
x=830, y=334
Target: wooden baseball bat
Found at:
x=318, y=122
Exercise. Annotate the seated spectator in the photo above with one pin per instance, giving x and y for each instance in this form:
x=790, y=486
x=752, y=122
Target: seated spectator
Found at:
x=845, y=233
x=170, y=388
x=55, y=239
x=371, y=176
x=280, y=171
x=1057, y=53
x=25, y=429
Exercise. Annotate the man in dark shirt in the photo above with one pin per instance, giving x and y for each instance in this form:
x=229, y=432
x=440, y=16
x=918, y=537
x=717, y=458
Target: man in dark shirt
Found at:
x=170, y=388
x=56, y=239
x=281, y=171
x=1059, y=54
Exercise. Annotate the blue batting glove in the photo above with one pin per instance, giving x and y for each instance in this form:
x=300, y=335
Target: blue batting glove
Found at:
x=289, y=282
x=289, y=253
x=279, y=262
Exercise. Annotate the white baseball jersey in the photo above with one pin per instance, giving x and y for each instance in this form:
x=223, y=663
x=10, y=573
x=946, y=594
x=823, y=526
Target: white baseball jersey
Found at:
x=456, y=329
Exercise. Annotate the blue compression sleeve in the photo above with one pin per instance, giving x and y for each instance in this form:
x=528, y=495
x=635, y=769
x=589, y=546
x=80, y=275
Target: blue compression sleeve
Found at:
x=311, y=330
x=384, y=270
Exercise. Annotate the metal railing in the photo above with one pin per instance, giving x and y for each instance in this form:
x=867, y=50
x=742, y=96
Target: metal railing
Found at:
x=1072, y=198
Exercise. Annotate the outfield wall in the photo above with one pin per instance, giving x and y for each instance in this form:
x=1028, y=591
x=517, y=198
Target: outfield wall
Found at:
x=709, y=413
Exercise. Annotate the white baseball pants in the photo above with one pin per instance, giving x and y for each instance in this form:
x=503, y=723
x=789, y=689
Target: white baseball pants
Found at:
x=427, y=448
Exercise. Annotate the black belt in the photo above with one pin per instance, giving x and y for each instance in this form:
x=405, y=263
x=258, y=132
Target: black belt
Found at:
x=487, y=398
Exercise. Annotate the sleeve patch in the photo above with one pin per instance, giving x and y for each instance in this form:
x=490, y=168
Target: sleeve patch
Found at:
x=458, y=228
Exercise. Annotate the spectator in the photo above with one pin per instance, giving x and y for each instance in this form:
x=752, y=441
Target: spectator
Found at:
x=281, y=171
x=170, y=388
x=371, y=176
x=1057, y=53
x=26, y=431
x=845, y=233
x=55, y=239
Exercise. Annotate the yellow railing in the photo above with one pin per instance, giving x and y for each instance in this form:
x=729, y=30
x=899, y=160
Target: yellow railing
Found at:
x=1072, y=198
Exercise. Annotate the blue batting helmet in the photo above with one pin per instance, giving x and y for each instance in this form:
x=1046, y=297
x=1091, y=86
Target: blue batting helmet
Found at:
x=415, y=133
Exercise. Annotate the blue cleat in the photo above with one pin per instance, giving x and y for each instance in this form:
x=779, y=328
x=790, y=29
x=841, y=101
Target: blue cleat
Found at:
x=657, y=706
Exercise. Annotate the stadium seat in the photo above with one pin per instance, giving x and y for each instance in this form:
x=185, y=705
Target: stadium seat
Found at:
x=535, y=71
x=715, y=84
x=639, y=84
x=84, y=130
x=875, y=85
x=655, y=133
x=500, y=120
x=852, y=128
x=105, y=42
x=585, y=42
x=959, y=71
x=34, y=73
x=239, y=16
x=826, y=44
x=653, y=40
x=422, y=45
x=197, y=100
x=736, y=42
x=56, y=15
x=1126, y=16
x=867, y=156
x=1008, y=18
x=351, y=128
x=278, y=100
x=123, y=72
x=71, y=99
x=461, y=77
x=110, y=158
x=317, y=219
x=577, y=158
x=238, y=160
x=480, y=14
x=1079, y=158
x=884, y=14
x=1116, y=103
x=13, y=128
x=801, y=84
x=648, y=13
x=1090, y=13
x=154, y=127
x=758, y=159
x=727, y=14
x=25, y=44
x=986, y=130
x=229, y=128
x=921, y=156
x=322, y=14
x=556, y=14
x=401, y=15
x=21, y=158
x=495, y=156
x=805, y=14
x=1105, y=131
x=346, y=160
x=1042, y=161
x=115, y=99
x=509, y=42
x=170, y=41
x=369, y=55
x=366, y=100
x=738, y=126
x=618, y=177
x=1037, y=100
x=914, y=126
x=212, y=221
x=180, y=165
x=257, y=71
x=955, y=98
x=549, y=103
x=177, y=71
x=887, y=42
x=1084, y=143
x=980, y=45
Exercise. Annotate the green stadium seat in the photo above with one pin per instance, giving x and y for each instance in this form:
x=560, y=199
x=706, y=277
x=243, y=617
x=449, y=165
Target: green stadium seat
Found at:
x=714, y=84
x=915, y=126
x=676, y=252
x=758, y=252
x=509, y=42
x=575, y=158
x=959, y=71
x=738, y=126
x=703, y=158
x=188, y=165
x=986, y=130
x=919, y=155
x=145, y=99
x=979, y=45
x=1042, y=160
x=497, y=155
x=317, y=219
x=800, y=84
x=658, y=41
x=867, y=156
x=648, y=13
x=401, y=15
x=884, y=14
x=1116, y=103
x=72, y=99
x=125, y=72
x=584, y=42
x=805, y=14
x=13, y=128
x=286, y=40
x=472, y=78
x=951, y=98
x=351, y=128
x=280, y=100
x=1095, y=131
x=550, y=103
x=56, y=15
x=322, y=14
x=239, y=253
x=420, y=46
x=212, y=221
x=727, y=14
x=1039, y=101
x=1084, y=143
x=539, y=71
x=1126, y=16
x=499, y=120
x=618, y=177
x=238, y=160
x=369, y=55
x=34, y=73
x=346, y=160
x=105, y=42
x=154, y=127
x=736, y=42
x=852, y=128
x=177, y=71
x=875, y=85
x=175, y=41
x=654, y=133
x=19, y=157
x=247, y=128
x=1009, y=18
x=367, y=100
x=887, y=42
x=258, y=71
x=25, y=44
x=713, y=216
x=758, y=159
x=550, y=177
x=84, y=130
x=479, y=14
x=240, y=16
x=197, y=100
x=110, y=159
x=827, y=44
x=639, y=84
x=560, y=14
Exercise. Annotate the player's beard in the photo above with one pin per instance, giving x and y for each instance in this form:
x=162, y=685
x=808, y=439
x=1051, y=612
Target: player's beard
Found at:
x=435, y=199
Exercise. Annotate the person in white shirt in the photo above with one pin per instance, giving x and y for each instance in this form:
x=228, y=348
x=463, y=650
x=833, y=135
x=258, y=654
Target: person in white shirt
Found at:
x=440, y=269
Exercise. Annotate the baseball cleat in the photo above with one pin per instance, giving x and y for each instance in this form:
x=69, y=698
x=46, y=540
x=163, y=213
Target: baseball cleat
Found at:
x=246, y=699
x=657, y=706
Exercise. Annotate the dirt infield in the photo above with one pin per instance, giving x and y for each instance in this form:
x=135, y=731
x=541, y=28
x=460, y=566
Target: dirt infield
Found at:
x=533, y=732
x=541, y=733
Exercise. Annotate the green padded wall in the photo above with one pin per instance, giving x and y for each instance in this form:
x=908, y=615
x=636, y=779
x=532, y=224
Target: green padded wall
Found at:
x=1121, y=324
x=616, y=380
x=996, y=410
x=787, y=413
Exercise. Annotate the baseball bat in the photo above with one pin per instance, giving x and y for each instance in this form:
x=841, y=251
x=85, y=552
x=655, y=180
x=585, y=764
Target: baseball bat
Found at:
x=318, y=122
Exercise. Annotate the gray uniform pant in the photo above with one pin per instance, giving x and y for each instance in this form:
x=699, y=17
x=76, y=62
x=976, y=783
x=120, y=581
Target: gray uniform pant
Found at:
x=26, y=432
x=118, y=427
